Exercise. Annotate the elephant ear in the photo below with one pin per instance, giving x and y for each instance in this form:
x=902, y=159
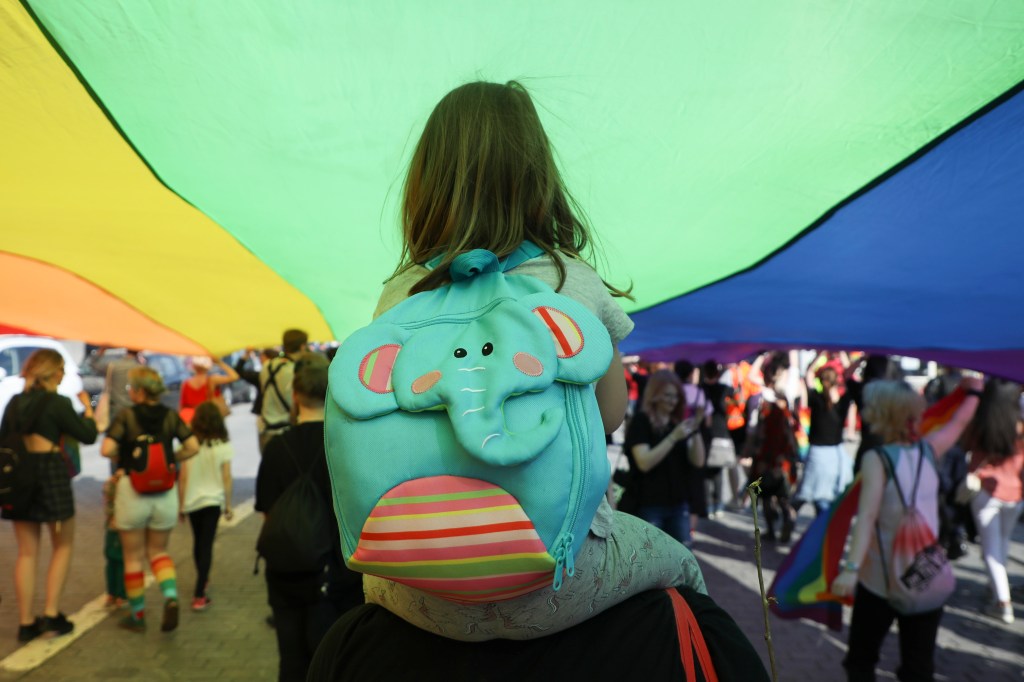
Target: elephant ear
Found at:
x=360, y=374
x=581, y=341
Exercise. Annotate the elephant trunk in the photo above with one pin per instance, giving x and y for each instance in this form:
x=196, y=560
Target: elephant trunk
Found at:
x=483, y=434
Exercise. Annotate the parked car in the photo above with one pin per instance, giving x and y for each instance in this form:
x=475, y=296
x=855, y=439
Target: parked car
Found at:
x=15, y=350
x=173, y=368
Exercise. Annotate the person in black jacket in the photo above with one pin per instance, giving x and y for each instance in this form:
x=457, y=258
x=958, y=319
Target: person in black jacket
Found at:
x=305, y=605
x=42, y=417
x=644, y=631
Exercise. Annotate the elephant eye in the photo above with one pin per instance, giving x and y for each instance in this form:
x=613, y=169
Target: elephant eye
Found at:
x=487, y=349
x=460, y=352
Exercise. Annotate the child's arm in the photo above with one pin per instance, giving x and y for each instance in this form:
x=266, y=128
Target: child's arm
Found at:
x=612, y=396
x=229, y=375
x=183, y=471
x=109, y=448
x=225, y=472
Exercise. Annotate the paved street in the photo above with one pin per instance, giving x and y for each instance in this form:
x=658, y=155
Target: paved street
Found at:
x=231, y=642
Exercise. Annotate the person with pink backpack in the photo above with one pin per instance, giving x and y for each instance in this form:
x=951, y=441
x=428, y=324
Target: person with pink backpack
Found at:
x=891, y=569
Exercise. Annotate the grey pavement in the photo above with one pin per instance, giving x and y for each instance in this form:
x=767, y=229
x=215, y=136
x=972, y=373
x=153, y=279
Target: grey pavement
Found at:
x=971, y=645
x=231, y=641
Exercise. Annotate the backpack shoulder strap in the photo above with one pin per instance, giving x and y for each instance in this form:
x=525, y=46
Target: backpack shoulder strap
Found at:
x=691, y=640
x=272, y=372
x=917, y=476
x=890, y=472
x=526, y=251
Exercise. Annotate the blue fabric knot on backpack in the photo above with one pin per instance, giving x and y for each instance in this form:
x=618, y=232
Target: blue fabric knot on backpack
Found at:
x=473, y=263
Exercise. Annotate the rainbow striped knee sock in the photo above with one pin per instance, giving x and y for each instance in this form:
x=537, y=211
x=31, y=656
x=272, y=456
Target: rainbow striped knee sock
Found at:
x=166, y=576
x=134, y=587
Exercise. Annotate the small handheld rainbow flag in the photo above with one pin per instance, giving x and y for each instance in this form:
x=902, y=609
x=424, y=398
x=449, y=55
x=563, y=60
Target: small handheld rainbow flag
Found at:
x=801, y=585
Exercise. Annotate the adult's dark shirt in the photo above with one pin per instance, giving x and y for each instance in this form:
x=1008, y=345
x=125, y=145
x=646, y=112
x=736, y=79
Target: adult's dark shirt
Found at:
x=868, y=439
x=53, y=415
x=826, y=420
x=634, y=640
x=277, y=471
x=153, y=419
x=717, y=394
x=251, y=376
x=673, y=480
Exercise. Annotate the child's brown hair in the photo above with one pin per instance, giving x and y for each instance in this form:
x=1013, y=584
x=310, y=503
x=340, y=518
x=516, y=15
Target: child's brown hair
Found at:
x=208, y=423
x=483, y=177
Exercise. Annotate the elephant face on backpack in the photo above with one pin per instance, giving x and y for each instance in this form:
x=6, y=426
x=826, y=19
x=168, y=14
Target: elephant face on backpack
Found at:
x=464, y=441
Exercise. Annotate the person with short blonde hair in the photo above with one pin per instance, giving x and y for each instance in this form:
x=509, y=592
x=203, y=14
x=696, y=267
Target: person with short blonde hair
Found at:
x=894, y=410
x=41, y=417
x=893, y=407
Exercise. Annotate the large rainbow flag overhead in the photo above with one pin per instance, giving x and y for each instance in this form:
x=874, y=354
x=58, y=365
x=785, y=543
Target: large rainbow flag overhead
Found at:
x=185, y=174
x=800, y=588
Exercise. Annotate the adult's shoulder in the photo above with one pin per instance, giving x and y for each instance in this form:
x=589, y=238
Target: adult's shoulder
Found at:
x=397, y=288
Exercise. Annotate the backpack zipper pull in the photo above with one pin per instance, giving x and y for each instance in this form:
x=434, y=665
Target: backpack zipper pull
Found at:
x=563, y=560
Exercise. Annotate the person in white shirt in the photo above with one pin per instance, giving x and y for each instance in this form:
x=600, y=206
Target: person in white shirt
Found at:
x=205, y=489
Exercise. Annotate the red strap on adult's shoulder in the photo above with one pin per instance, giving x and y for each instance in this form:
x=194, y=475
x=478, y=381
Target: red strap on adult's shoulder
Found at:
x=691, y=640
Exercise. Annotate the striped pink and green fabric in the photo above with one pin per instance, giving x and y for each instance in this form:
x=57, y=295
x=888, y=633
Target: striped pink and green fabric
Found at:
x=472, y=534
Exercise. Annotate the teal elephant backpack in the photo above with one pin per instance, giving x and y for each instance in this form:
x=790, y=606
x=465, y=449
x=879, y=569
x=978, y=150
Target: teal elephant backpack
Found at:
x=466, y=450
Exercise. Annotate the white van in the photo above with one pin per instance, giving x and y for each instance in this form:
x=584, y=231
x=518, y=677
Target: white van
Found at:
x=14, y=351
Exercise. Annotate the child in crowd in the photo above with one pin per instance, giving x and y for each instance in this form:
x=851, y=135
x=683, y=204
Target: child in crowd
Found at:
x=116, y=596
x=205, y=488
x=483, y=177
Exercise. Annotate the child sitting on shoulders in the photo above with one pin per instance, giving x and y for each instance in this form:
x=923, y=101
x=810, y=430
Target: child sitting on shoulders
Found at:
x=483, y=177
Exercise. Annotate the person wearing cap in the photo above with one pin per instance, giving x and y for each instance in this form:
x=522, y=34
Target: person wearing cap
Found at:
x=203, y=385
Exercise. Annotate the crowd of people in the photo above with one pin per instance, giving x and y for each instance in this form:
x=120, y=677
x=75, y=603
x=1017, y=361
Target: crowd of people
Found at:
x=859, y=406
x=694, y=437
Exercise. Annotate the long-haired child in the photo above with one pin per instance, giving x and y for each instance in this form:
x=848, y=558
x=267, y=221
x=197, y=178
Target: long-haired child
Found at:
x=205, y=489
x=483, y=176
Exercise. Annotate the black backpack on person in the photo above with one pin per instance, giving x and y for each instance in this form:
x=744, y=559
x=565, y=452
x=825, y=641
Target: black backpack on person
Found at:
x=17, y=475
x=296, y=536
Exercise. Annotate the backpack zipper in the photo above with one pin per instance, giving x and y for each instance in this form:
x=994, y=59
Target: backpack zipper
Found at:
x=579, y=437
